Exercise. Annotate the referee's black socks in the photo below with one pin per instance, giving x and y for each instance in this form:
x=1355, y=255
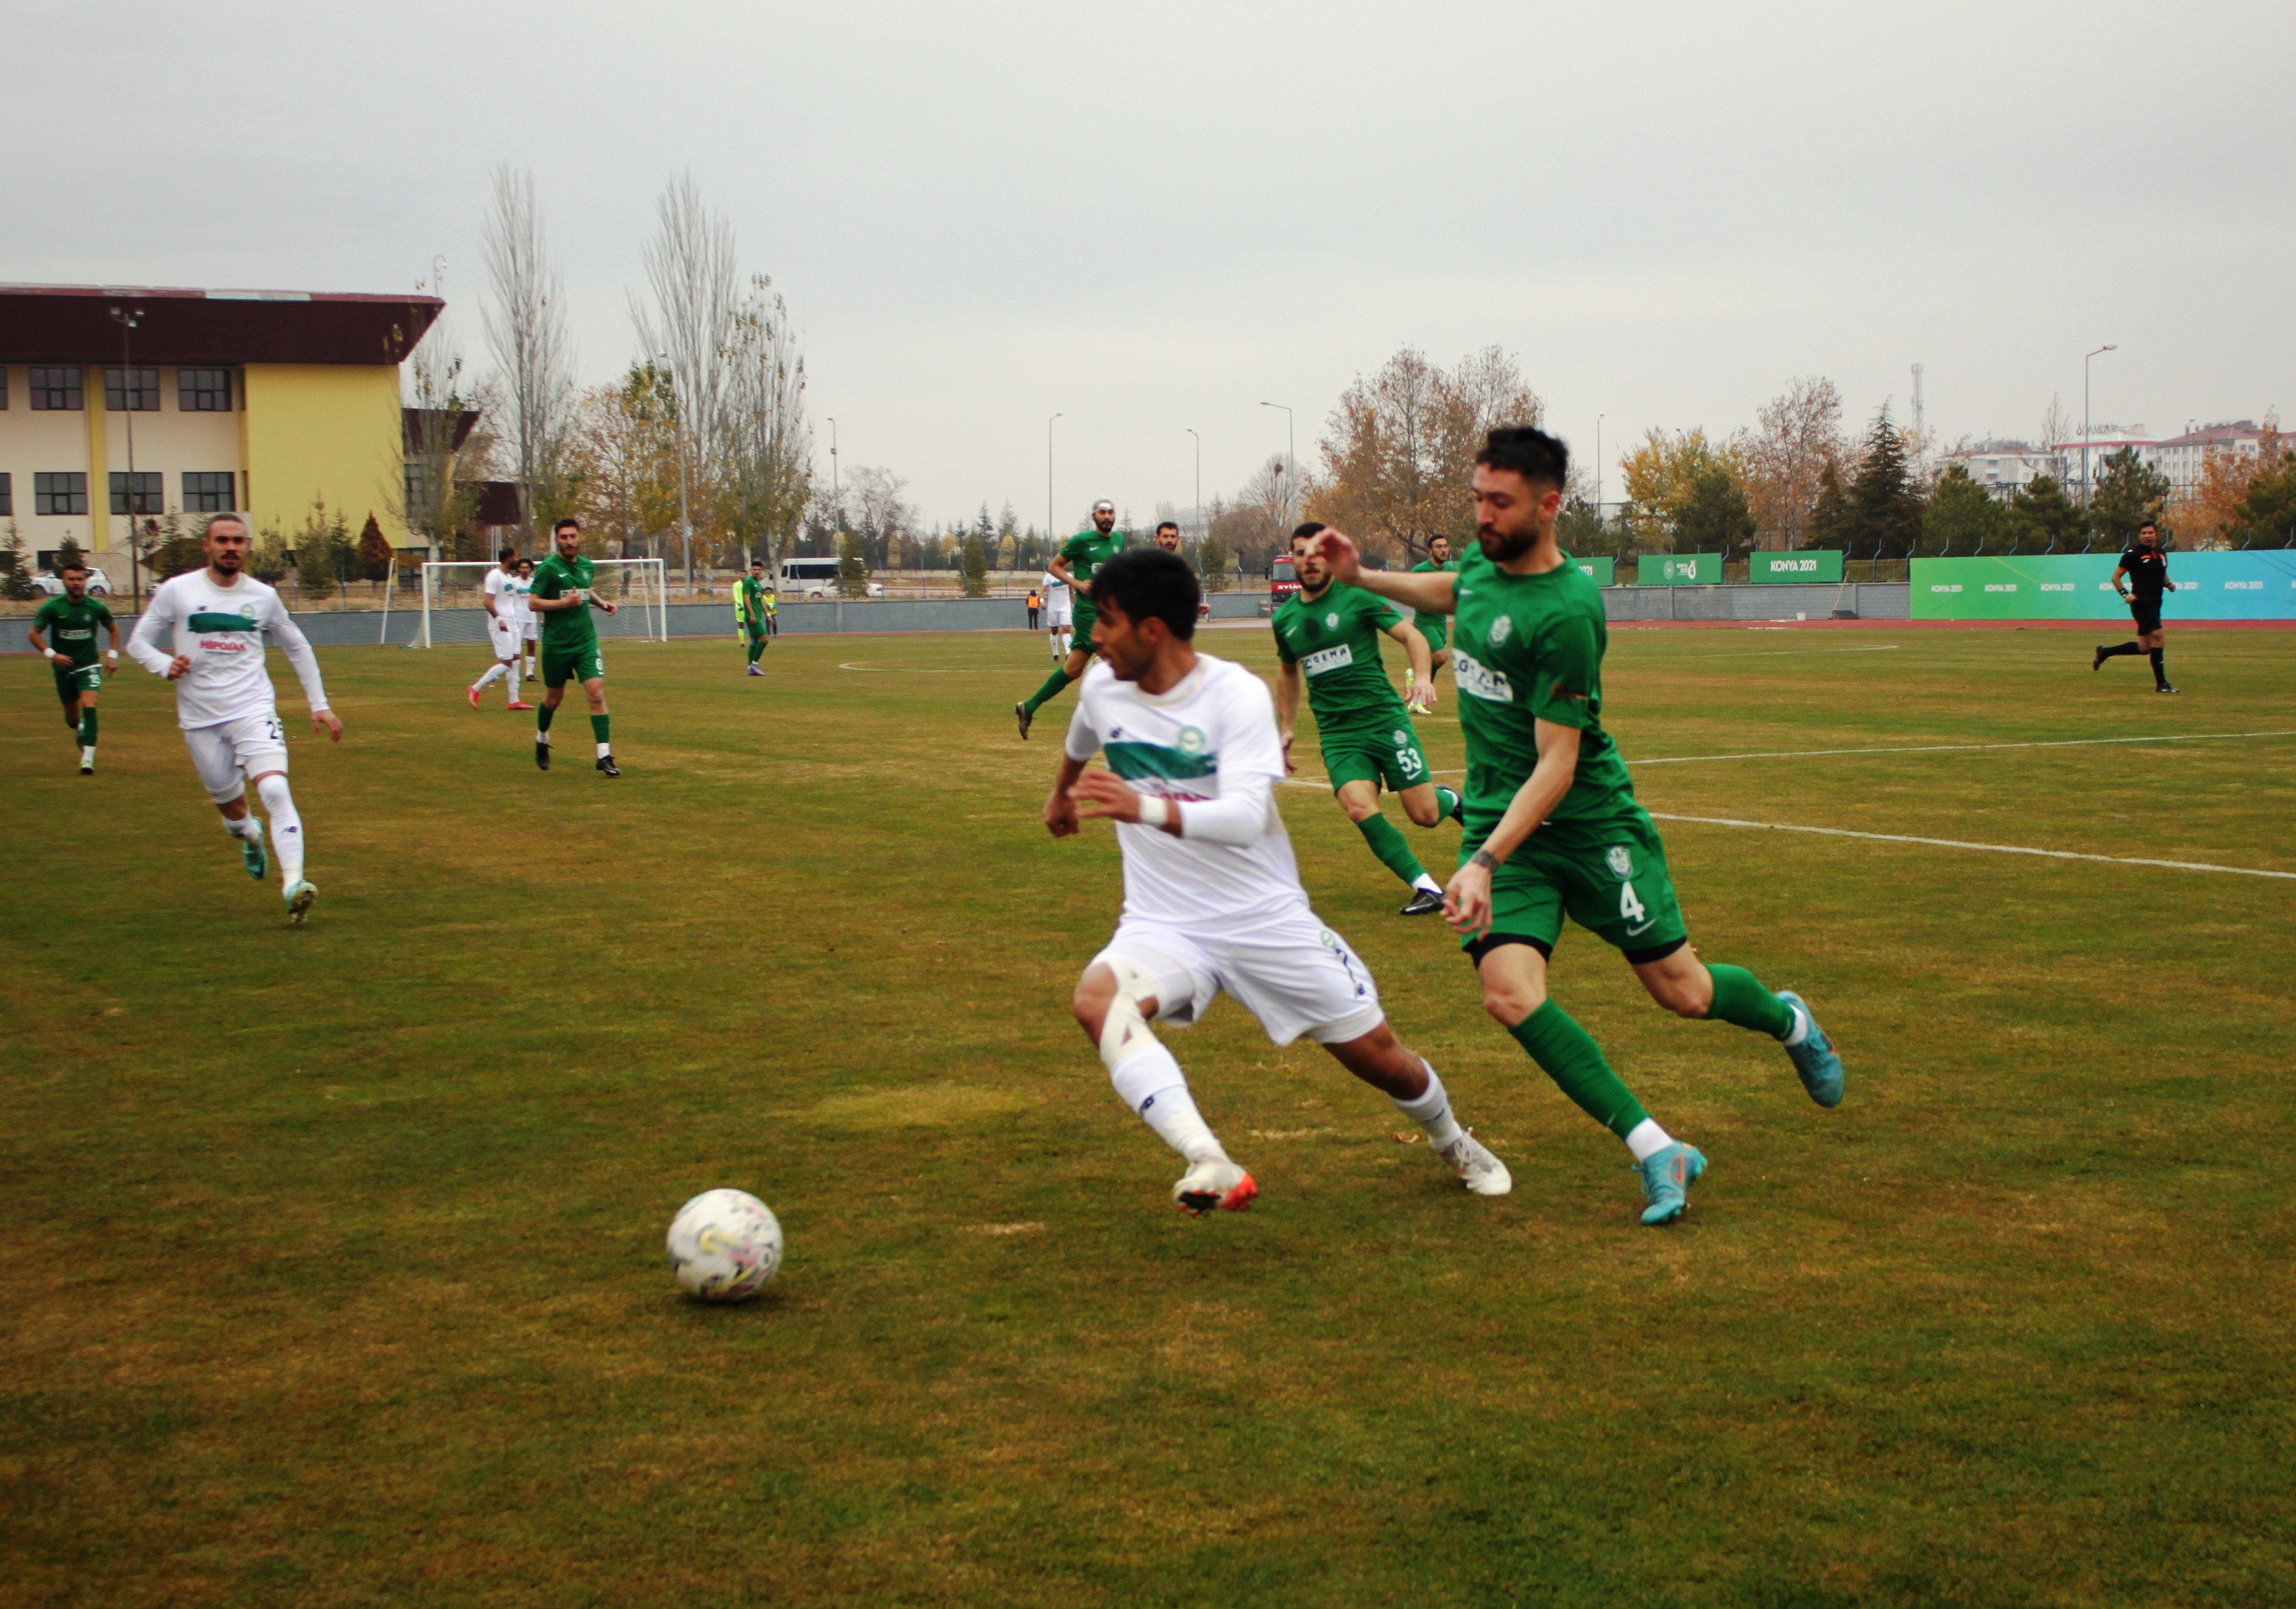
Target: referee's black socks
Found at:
x=2160, y=674
x=2119, y=649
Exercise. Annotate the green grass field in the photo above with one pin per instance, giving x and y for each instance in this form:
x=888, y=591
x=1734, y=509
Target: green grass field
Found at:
x=332, y=1273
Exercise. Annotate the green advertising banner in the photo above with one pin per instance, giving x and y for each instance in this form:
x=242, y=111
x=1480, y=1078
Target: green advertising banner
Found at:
x=1680, y=570
x=1605, y=572
x=2235, y=585
x=1807, y=567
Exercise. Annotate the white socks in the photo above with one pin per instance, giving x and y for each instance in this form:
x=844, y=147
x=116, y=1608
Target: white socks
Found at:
x=286, y=828
x=1151, y=1082
x=488, y=680
x=604, y=750
x=1431, y=1112
x=1646, y=1139
x=1802, y=1025
x=246, y=826
x=1427, y=884
x=87, y=754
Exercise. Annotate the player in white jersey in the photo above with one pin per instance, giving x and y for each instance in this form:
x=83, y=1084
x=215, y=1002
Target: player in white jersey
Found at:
x=204, y=632
x=1213, y=899
x=1059, y=616
x=530, y=625
x=505, y=633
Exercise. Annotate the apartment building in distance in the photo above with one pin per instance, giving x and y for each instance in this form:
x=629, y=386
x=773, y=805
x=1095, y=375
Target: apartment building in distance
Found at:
x=2002, y=467
x=118, y=403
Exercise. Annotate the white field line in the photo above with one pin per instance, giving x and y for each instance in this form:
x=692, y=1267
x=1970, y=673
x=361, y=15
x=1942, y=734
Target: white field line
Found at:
x=1956, y=843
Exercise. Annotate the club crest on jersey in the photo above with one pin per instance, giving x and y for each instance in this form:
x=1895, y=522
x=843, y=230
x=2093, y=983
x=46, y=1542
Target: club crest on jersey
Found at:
x=1621, y=859
x=1190, y=742
x=1331, y=621
x=1500, y=628
x=1401, y=737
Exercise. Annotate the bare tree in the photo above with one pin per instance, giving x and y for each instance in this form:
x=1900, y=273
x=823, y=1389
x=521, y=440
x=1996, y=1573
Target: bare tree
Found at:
x=768, y=446
x=689, y=267
x=525, y=327
x=1797, y=435
x=423, y=490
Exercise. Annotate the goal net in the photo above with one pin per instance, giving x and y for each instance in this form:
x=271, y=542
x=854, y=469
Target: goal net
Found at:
x=455, y=605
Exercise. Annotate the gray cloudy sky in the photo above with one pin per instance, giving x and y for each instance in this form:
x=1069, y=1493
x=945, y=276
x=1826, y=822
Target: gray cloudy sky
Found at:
x=1153, y=217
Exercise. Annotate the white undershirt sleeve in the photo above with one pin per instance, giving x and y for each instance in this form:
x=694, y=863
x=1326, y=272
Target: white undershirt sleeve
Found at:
x=152, y=645
x=1083, y=741
x=282, y=629
x=1250, y=759
x=1239, y=815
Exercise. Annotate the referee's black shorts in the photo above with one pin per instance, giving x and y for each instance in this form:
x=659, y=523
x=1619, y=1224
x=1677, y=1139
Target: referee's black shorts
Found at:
x=2147, y=614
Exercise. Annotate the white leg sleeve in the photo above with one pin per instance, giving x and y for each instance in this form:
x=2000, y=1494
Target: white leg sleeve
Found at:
x=1146, y=1077
x=286, y=828
x=493, y=670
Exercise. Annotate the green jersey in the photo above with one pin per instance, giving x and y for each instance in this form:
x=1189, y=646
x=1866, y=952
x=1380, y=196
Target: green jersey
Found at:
x=749, y=601
x=565, y=630
x=1086, y=552
x=1428, y=567
x=1334, y=638
x=1526, y=649
x=73, y=630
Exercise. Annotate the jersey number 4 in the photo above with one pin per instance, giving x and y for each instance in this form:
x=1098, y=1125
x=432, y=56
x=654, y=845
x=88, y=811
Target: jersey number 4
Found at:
x=1629, y=905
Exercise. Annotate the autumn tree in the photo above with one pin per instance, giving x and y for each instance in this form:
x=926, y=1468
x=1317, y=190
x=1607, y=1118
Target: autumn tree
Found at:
x=527, y=328
x=2206, y=512
x=1662, y=476
x=374, y=551
x=1829, y=514
x=1797, y=437
x=1399, y=447
x=1252, y=526
x=2266, y=516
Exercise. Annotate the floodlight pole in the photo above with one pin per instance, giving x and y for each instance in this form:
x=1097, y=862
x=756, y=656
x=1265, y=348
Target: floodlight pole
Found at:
x=1201, y=531
x=1290, y=467
x=2086, y=432
x=127, y=319
x=836, y=495
x=1049, y=534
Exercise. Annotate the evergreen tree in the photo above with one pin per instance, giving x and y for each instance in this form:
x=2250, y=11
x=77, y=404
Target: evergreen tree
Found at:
x=16, y=572
x=2128, y=492
x=852, y=567
x=1715, y=517
x=1885, y=506
x=1961, y=517
x=374, y=552
x=1580, y=531
x=2267, y=516
x=976, y=563
x=1829, y=517
x=2042, y=517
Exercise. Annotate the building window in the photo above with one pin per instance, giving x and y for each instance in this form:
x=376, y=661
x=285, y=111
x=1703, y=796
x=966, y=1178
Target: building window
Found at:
x=142, y=488
x=3, y=388
x=57, y=390
x=132, y=391
x=203, y=391
x=7, y=495
x=208, y=491
x=64, y=492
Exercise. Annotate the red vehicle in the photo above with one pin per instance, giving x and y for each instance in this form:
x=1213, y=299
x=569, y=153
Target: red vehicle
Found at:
x=1282, y=581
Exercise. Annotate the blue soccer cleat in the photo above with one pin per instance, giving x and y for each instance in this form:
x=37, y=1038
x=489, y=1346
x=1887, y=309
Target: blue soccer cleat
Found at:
x=1667, y=1178
x=251, y=850
x=1814, y=1058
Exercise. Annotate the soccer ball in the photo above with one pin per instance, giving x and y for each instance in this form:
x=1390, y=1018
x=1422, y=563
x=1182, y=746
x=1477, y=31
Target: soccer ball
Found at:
x=725, y=1246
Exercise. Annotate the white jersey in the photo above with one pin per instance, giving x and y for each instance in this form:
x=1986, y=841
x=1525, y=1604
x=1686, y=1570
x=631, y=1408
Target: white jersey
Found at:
x=1055, y=590
x=498, y=586
x=1212, y=737
x=519, y=592
x=222, y=631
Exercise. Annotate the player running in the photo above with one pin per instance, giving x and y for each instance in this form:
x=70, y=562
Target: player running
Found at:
x=73, y=621
x=1213, y=899
x=1435, y=628
x=204, y=632
x=2146, y=566
x=750, y=612
x=1058, y=620
x=528, y=630
x=1552, y=826
x=1072, y=566
x=569, y=641
x=499, y=590
x=1327, y=635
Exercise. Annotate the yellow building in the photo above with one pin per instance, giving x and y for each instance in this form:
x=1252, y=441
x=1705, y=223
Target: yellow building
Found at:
x=117, y=403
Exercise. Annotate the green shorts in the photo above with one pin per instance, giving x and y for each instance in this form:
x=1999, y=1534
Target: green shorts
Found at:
x=1608, y=877
x=1436, y=629
x=73, y=680
x=1081, y=616
x=563, y=665
x=1387, y=754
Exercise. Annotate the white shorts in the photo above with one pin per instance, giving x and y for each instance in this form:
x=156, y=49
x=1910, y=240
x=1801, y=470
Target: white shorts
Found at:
x=1294, y=974
x=504, y=634
x=228, y=753
x=1059, y=617
x=531, y=632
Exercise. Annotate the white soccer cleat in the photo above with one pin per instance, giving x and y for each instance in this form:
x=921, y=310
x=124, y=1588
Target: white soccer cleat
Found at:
x=1477, y=1169
x=1215, y=1184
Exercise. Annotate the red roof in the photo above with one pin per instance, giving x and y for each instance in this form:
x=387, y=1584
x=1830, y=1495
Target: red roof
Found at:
x=73, y=324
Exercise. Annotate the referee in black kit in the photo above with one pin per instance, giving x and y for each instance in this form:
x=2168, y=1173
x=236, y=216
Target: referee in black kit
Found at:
x=2147, y=569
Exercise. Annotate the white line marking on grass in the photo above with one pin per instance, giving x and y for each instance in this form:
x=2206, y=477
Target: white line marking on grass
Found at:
x=909, y=670
x=2060, y=742
x=1956, y=843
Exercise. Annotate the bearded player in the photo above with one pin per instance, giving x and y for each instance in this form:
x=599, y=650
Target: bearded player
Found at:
x=562, y=593
x=204, y=632
x=1552, y=826
x=76, y=622
x=1212, y=899
x=1435, y=628
x=1073, y=568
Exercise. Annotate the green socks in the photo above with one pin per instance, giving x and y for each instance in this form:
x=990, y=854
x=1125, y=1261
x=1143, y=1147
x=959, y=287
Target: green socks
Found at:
x=541, y=717
x=1575, y=1063
x=1388, y=844
x=1051, y=689
x=1740, y=999
x=598, y=725
x=87, y=729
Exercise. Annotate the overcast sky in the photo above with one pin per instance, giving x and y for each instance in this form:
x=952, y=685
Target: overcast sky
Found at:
x=1153, y=217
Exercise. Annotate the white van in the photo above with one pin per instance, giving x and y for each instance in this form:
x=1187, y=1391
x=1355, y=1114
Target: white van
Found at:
x=813, y=578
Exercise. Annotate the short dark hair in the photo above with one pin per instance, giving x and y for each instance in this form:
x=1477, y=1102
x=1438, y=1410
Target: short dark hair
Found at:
x=1167, y=525
x=1528, y=451
x=568, y=522
x=2148, y=525
x=510, y=556
x=71, y=566
x=1308, y=528
x=1148, y=584
x=757, y=564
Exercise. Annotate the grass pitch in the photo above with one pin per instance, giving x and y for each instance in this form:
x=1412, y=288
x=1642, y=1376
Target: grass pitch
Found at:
x=332, y=1258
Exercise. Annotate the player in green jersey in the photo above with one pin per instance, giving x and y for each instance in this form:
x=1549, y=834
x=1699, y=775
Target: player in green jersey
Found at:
x=73, y=621
x=1327, y=635
x=569, y=641
x=750, y=611
x=1074, y=564
x=1552, y=826
x=1435, y=628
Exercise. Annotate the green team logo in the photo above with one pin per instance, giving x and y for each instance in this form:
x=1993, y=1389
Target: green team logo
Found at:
x=1190, y=741
x=1621, y=859
x=1500, y=628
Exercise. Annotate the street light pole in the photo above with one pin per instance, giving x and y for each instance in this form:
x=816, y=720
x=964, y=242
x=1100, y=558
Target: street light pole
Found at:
x=1290, y=467
x=1050, y=535
x=1598, y=468
x=127, y=319
x=836, y=496
x=2086, y=431
x=1201, y=531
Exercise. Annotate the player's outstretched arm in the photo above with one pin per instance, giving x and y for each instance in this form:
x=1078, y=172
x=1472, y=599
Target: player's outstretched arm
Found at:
x=1060, y=806
x=1467, y=900
x=1437, y=591
x=1423, y=660
x=280, y=627
x=155, y=625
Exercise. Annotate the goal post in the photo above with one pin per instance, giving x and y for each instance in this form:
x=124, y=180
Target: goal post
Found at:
x=639, y=587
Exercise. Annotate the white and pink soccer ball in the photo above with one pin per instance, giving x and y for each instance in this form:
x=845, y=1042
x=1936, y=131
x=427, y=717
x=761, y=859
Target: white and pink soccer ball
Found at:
x=725, y=1246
